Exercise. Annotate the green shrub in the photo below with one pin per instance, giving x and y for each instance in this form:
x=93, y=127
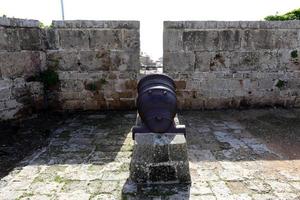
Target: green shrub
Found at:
x=49, y=78
x=96, y=85
x=280, y=83
x=293, y=15
x=294, y=54
x=91, y=86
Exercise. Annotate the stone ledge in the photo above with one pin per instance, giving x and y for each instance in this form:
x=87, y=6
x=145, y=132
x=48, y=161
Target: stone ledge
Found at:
x=291, y=24
x=15, y=22
x=96, y=24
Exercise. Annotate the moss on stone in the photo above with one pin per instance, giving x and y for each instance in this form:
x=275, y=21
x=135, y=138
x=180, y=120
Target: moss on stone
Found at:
x=59, y=179
x=38, y=179
x=65, y=134
x=280, y=84
x=294, y=54
x=96, y=85
x=49, y=78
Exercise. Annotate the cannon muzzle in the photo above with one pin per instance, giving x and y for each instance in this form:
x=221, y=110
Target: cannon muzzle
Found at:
x=157, y=105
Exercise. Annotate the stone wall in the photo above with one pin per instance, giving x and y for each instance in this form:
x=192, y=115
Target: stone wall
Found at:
x=97, y=63
x=21, y=57
x=233, y=64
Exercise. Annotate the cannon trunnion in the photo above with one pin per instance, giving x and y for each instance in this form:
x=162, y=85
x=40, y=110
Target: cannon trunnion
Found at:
x=157, y=105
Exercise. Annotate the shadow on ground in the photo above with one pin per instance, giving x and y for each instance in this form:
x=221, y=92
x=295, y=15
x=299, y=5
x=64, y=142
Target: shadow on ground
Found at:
x=245, y=135
x=250, y=154
x=82, y=138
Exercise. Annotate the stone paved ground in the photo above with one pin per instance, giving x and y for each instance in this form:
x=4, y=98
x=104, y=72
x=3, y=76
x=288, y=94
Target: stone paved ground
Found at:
x=252, y=154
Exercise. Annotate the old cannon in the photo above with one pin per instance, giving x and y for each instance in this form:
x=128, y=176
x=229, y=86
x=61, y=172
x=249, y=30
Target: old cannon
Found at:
x=157, y=106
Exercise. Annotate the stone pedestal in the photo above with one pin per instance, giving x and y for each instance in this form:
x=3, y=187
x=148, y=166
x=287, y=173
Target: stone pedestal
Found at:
x=160, y=158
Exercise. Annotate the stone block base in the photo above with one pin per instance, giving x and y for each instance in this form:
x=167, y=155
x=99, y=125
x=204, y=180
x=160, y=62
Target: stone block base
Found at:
x=160, y=158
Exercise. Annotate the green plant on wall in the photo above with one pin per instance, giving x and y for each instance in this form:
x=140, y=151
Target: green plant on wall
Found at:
x=96, y=85
x=49, y=78
x=280, y=84
x=91, y=87
x=294, y=54
x=295, y=57
x=292, y=15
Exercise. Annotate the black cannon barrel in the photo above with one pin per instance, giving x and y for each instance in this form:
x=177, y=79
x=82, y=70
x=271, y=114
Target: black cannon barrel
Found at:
x=156, y=102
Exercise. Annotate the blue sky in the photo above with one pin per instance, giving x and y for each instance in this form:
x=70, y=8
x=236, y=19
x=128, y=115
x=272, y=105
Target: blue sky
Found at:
x=150, y=13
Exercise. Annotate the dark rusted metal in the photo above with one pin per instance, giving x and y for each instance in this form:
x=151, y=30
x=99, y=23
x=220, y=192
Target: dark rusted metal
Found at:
x=157, y=105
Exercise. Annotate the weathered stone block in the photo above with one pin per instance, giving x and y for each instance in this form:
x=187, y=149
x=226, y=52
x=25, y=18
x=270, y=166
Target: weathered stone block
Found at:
x=9, y=113
x=124, y=61
x=96, y=24
x=157, y=158
x=183, y=172
x=19, y=64
x=127, y=103
x=9, y=39
x=95, y=60
x=12, y=104
x=144, y=154
x=72, y=85
x=180, y=84
x=72, y=105
x=286, y=39
x=229, y=39
x=269, y=39
x=15, y=22
x=63, y=60
x=245, y=61
x=51, y=38
x=30, y=39
x=173, y=40
x=139, y=172
x=179, y=61
x=73, y=39
x=5, y=89
x=105, y=39
x=199, y=40
x=286, y=61
x=131, y=39
x=162, y=173
x=211, y=40
x=212, y=61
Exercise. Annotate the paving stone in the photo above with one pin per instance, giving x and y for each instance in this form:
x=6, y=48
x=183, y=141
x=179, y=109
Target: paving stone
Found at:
x=203, y=197
x=229, y=138
x=240, y=197
x=207, y=175
x=296, y=185
x=220, y=167
x=74, y=185
x=258, y=186
x=200, y=188
x=77, y=172
x=287, y=196
x=114, y=175
x=45, y=187
x=73, y=195
x=99, y=187
x=279, y=186
x=18, y=185
x=237, y=187
x=220, y=189
x=263, y=197
x=292, y=175
x=8, y=194
x=236, y=175
x=234, y=125
x=104, y=197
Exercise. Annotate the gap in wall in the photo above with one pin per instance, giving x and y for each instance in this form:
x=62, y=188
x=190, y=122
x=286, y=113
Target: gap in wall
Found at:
x=151, y=40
